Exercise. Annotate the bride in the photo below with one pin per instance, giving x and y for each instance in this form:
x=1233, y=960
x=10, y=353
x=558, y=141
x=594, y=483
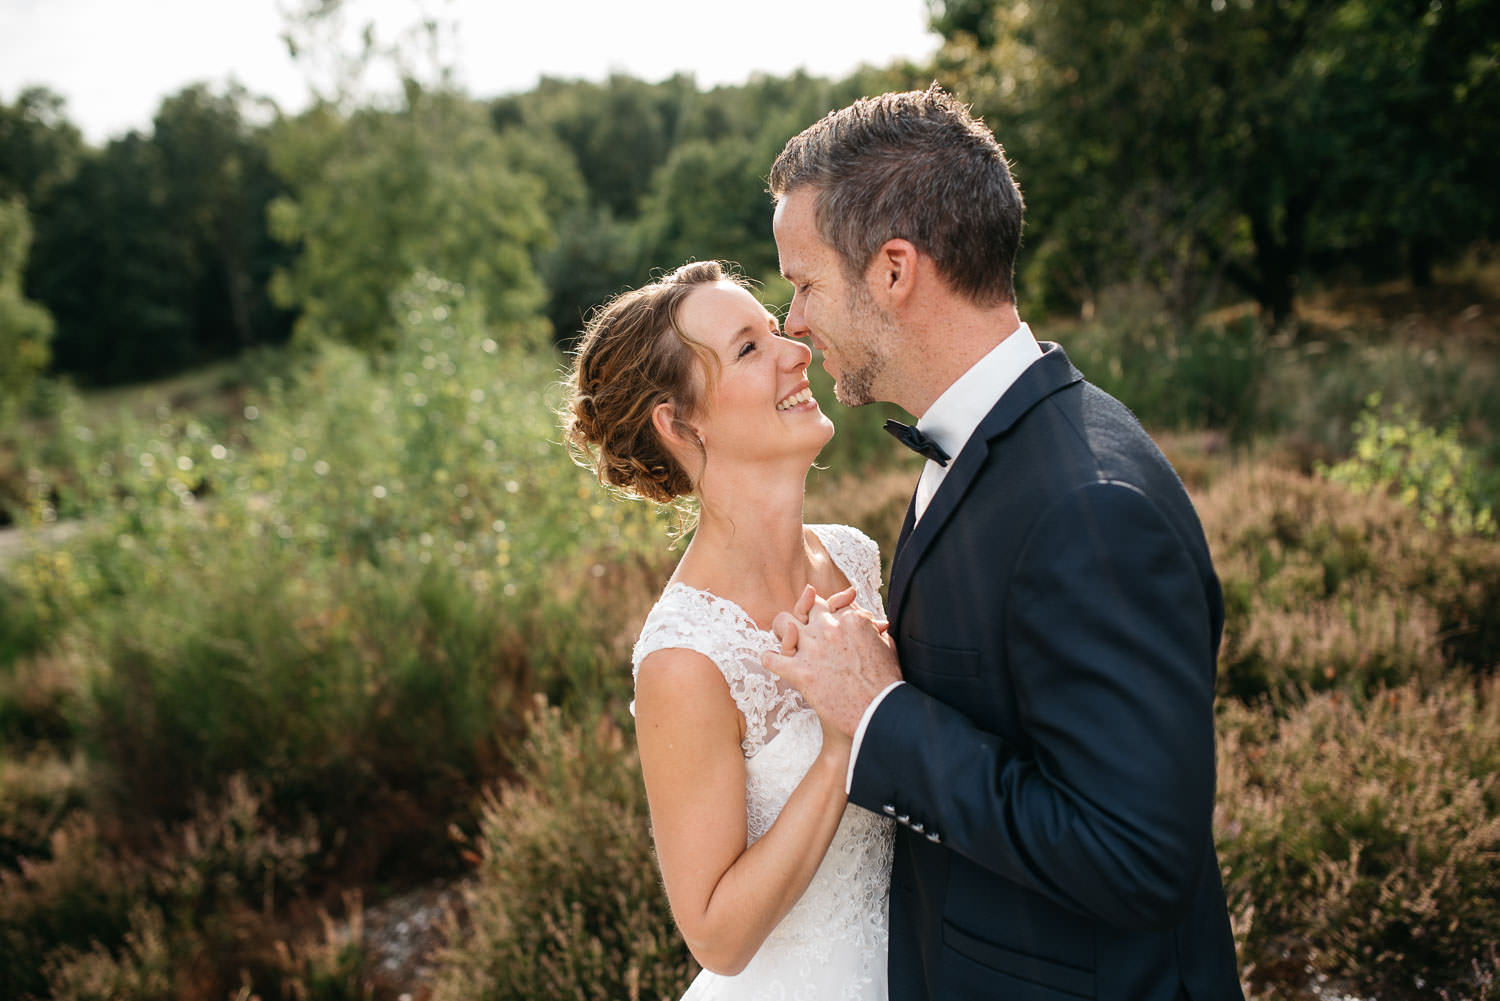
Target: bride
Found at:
x=686, y=387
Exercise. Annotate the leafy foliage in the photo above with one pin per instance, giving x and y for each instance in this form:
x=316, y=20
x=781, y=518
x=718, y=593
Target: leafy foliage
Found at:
x=1428, y=470
x=91, y=920
x=25, y=327
x=39, y=147
x=1210, y=376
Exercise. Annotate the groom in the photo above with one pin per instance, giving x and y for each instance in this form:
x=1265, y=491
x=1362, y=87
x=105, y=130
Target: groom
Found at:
x=1040, y=724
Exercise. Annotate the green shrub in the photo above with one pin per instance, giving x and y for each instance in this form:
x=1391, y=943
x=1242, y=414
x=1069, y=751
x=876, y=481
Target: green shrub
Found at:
x=566, y=903
x=1328, y=589
x=1364, y=837
x=1425, y=469
x=335, y=687
x=21, y=628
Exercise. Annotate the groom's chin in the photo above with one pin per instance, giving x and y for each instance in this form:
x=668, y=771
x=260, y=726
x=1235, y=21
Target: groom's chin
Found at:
x=850, y=397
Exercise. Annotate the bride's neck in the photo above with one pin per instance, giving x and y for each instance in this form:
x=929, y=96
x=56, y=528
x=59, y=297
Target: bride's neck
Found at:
x=749, y=542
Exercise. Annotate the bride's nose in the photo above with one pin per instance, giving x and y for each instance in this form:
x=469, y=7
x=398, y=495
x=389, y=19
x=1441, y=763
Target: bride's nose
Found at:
x=795, y=354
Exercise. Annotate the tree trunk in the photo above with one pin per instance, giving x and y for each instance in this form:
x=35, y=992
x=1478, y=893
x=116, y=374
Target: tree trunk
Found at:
x=1278, y=257
x=1419, y=254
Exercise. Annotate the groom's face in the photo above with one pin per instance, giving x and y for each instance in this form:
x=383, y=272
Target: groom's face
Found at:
x=838, y=316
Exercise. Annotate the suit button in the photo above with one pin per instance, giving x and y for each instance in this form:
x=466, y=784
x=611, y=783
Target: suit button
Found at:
x=904, y=819
x=933, y=837
x=890, y=811
x=917, y=828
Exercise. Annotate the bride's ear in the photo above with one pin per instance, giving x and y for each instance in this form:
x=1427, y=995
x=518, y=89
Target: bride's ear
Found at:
x=674, y=431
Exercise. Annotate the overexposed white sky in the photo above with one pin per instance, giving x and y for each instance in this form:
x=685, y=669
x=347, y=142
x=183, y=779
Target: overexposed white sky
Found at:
x=114, y=60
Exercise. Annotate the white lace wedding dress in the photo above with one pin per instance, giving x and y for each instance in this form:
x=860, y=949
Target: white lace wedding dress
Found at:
x=831, y=946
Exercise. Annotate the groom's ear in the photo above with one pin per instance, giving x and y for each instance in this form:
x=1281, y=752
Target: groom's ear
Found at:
x=894, y=271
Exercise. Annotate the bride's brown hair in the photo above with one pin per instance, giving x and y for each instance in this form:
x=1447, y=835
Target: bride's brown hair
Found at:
x=634, y=356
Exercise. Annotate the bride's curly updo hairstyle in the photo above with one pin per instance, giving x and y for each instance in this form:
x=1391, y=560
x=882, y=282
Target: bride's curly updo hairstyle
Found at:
x=634, y=356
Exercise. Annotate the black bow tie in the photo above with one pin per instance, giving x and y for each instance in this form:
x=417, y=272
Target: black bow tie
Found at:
x=917, y=441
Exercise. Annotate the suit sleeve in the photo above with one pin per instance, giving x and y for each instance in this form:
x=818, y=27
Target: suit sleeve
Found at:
x=1108, y=642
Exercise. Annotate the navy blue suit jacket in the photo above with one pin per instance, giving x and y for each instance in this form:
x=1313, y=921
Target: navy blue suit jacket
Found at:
x=1051, y=759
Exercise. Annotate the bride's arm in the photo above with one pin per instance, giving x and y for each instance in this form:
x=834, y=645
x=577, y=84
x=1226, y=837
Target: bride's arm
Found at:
x=725, y=897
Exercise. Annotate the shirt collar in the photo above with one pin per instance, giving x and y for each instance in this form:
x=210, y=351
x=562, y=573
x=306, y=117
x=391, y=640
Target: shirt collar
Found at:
x=955, y=414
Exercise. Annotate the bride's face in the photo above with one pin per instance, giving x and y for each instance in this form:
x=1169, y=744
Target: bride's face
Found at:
x=760, y=406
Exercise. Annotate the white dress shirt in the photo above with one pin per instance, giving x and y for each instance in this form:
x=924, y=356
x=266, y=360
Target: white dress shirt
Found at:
x=951, y=422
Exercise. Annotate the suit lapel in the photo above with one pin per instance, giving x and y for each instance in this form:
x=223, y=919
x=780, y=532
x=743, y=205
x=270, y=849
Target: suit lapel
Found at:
x=1041, y=379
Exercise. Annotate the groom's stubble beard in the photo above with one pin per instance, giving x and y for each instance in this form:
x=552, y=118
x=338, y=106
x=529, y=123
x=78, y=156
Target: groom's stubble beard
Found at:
x=855, y=386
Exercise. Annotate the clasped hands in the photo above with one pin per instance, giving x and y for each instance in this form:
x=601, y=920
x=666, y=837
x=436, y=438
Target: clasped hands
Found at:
x=836, y=654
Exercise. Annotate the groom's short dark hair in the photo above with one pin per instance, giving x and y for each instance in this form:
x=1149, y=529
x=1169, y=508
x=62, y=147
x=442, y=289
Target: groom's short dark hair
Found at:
x=915, y=166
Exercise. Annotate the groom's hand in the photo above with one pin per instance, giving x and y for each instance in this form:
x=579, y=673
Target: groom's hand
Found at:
x=836, y=654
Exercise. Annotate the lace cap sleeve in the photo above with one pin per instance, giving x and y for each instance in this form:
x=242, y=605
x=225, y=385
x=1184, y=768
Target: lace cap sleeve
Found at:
x=690, y=619
x=857, y=555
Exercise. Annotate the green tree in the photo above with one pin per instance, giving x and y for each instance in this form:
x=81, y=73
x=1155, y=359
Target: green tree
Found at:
x=1172, y=141
x=25, y=327
x=115, y=274
x=154, y=254
x=39, y=147
x=619, y=131
x=218, y=184
x=708, y=199
x=378, y=195
x=1420, y=190
x=594, y=254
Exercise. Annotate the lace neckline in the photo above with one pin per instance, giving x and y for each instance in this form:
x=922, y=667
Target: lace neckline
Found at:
x=739, y=609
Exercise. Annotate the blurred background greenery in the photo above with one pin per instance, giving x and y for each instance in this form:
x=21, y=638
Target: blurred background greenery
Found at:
x=314, y=646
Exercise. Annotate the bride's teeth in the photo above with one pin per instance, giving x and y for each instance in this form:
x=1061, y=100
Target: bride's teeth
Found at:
x=792, y=401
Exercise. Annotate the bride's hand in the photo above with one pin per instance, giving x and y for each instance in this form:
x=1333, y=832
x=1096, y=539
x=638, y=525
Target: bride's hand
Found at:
x=786, y=631
x=839, y=601
x=786, y=628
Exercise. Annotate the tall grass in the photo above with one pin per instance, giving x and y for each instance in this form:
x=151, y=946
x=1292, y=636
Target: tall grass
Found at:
x=1363, y=836
x=1326, y=588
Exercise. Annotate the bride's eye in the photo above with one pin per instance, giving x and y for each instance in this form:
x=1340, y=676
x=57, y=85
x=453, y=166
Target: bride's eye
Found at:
x=745, y=349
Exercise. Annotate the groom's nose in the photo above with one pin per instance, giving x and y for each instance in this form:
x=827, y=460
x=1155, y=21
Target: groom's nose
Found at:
x=796, y=318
